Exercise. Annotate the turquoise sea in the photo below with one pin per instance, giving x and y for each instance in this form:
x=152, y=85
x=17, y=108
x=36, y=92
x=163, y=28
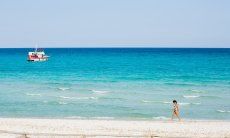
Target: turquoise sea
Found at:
x=116, y=83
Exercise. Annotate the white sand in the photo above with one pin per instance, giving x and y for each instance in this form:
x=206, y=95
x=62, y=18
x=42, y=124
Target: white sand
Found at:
x=12, y=127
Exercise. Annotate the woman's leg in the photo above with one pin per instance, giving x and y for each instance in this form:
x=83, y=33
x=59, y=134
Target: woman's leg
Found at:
x=177, y=115
x=173, y=114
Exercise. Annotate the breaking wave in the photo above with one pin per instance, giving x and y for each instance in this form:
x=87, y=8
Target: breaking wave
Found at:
x=149, y=101
x=103, y=118
x=201, y=96
x=65, y=97
x=33, y=94
x=223, y=111
x=78, y=98
x=197, y=91
x=63, y=88
x=161, y=118
x=100, y=92
x=184, y=104
x=75, y=117
x=166, y=102
x=210, y=96
x=191, y=96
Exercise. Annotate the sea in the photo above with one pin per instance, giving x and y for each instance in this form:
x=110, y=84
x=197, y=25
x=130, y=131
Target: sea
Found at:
x=116, y=83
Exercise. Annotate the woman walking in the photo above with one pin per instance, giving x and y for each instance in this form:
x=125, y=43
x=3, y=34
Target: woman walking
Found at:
x=175, y=111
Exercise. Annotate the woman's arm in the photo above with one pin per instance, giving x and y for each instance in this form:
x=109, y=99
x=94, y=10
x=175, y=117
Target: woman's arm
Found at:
x=177, y=108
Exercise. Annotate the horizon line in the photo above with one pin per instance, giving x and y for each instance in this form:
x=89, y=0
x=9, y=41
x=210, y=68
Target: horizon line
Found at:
x=120, y=47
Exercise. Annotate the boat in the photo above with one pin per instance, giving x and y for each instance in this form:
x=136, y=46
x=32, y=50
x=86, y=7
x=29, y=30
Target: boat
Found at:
x=37, y=55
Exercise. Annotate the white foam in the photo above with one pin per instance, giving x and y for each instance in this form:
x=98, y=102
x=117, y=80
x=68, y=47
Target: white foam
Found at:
x=210, y=96
x=184, y=103
x=223, y=111
x=191, y=96
x=85, y=98
x=63, y=88
x=78, y=98
x=75, y=117
x=161, y=118
x=146, y=101
x=167, y=102
x=196, y=103
x=103, y=118
x=93, y=98
x=99, y=92
x=197, y=91
x=33, y=94
x=65, y=97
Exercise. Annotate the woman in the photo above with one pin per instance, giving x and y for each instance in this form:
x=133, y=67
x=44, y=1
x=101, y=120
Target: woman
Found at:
x=175, y=111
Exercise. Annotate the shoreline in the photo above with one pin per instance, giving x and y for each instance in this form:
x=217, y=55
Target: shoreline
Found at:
x=163, y=119
x=119, y=119
x=40, y=127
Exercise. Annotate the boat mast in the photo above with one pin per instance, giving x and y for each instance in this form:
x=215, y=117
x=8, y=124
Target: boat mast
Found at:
x=36, y=47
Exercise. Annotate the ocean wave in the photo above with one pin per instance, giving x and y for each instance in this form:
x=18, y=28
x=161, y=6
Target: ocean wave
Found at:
x=223, y=111
x=65, y=97
x=184, y=104
x=166, y=102
x=103, y=118
x=63, y=88
x=33, y=94
x=210, y=96
x=62, y=103
x=196, y=103
x=161, y=118
x=112, y=98
x=191, y=96
x=78, y=98
x=149, y=101
x=100, y=92
x=75, y=117
x=197, y=91
x=146, y=101
x=201, y=96
x=181, y=84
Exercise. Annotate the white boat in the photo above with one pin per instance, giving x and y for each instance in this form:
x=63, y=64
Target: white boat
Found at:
x=37, y=55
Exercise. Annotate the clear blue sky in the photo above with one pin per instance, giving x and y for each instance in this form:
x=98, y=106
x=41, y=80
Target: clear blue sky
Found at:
x=82, y=23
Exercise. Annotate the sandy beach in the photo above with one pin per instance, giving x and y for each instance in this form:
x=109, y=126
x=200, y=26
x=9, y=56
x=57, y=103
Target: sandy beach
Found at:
x=15, y=127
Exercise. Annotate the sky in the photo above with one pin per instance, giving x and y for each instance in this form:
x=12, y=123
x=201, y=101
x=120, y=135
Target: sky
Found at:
x=115, y=23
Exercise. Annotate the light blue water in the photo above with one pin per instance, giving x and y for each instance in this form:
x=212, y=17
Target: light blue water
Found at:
x=116, y=83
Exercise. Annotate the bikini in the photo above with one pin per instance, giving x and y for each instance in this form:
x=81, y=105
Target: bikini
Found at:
x=175, y=108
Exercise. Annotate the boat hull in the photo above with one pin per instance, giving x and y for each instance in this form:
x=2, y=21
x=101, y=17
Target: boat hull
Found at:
x=37, y=60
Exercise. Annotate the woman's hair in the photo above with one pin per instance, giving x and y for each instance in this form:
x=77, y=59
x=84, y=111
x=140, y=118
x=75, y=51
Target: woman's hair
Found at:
x=174, y=101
